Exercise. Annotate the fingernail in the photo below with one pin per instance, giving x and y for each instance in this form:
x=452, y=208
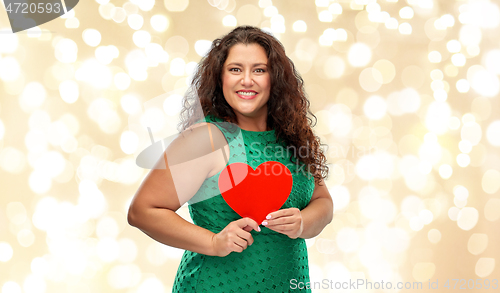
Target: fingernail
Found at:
x=264, y=223
x=268, y=217
x=258, y=228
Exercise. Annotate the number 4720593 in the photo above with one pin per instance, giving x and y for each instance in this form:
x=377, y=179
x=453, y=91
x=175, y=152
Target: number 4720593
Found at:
x=472, y=284
x=34, y=8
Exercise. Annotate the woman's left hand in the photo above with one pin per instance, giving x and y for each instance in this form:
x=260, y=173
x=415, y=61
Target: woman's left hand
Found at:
x=285, y=221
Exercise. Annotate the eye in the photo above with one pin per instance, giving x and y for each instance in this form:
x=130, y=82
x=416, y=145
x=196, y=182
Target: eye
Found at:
x=234, y=69
x=260, y=70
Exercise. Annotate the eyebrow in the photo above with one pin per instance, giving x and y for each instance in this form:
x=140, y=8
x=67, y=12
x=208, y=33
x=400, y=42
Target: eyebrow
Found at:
x=239, y=64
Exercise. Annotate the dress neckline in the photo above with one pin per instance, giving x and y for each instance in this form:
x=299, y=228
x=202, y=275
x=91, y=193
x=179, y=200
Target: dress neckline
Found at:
x=249, y=131
x=217, y=119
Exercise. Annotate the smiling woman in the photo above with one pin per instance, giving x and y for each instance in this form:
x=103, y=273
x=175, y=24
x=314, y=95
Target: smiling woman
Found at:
x=246, y=83
x=252, y=99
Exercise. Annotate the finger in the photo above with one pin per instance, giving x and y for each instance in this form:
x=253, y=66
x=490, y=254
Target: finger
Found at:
x=240, y=242
x=248, y=228
x=245, y=236
x=243, y=222
x=284, y=228
x=273, y=215
x=280, y=221
x=275, y=229
x=237, y=248
x=280, y=213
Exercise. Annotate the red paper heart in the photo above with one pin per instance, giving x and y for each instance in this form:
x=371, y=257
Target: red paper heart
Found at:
x=255, y=193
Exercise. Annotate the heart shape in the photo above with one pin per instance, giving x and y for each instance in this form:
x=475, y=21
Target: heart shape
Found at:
x=255, y=193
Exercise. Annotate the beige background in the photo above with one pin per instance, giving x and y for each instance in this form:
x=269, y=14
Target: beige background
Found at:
x=406, y=96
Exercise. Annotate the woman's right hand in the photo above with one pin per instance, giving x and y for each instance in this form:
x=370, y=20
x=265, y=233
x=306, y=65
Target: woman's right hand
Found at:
x=234, y=237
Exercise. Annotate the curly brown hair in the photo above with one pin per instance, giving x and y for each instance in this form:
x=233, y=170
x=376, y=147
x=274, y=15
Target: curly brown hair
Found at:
x=287, y=106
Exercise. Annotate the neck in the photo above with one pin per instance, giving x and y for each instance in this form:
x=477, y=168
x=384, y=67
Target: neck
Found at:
x=258, y=123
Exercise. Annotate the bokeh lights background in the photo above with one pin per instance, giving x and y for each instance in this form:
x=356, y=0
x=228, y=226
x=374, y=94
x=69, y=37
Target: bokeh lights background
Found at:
x=407, y=98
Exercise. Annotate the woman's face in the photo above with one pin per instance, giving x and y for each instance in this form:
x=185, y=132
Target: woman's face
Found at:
x=246, y=82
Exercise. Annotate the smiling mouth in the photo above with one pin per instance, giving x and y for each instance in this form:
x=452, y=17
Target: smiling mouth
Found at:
x=246, y=94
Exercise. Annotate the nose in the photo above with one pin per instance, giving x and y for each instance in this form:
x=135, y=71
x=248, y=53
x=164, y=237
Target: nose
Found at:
x=247, y=79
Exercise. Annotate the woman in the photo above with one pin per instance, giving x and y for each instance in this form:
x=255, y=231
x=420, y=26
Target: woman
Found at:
x=247, y=80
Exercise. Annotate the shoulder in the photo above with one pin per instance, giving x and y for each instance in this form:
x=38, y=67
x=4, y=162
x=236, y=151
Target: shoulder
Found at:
x=202, y=126
x=196, y=141
x=204, y=121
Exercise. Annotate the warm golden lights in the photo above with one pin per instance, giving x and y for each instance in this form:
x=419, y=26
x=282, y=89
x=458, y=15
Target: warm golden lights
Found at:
x=406, y=97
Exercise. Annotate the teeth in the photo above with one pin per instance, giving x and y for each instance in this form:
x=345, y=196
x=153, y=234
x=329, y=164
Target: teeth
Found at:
x=247, y=93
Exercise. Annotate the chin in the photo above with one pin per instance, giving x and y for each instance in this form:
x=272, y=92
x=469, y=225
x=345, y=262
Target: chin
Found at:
x=247, y=113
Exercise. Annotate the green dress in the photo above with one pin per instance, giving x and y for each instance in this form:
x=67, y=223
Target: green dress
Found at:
x=274, y=262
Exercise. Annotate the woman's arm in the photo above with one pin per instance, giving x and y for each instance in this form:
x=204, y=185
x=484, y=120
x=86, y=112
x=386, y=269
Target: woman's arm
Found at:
x=318, y=213
x=176, y=177
x=164, y=190
x=153, y=212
